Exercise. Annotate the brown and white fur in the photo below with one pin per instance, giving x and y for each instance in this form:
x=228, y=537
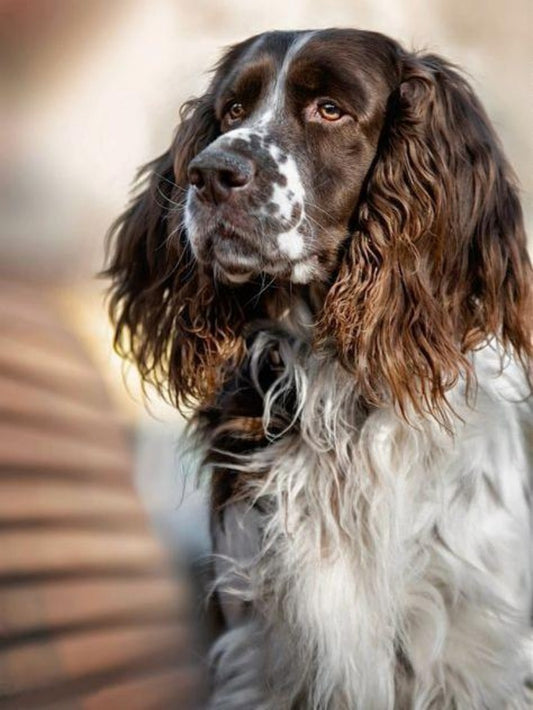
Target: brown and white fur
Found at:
x=329, y=267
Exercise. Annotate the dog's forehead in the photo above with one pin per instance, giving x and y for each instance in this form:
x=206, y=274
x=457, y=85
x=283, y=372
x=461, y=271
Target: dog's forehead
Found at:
x=278, y=47
x=261, y=69
x=266, y=52
x=358, y=66
x=264, y=68
x=275, y=51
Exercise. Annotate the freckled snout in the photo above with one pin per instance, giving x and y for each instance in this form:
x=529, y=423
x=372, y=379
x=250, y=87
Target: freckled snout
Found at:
x=245, y=209
x=216, y=174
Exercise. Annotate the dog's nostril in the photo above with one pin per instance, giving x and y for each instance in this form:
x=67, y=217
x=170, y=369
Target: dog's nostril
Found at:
x=233, y=178
x=215, y=175
x=196, y=178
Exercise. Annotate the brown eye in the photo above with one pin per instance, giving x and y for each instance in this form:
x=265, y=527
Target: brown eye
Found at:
x=235, y=111
x=329, y=111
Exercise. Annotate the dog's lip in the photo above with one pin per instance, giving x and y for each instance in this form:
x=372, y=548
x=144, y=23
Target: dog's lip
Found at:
x=232, y=249
x=228, y=235
x=235, y=273
x=234, y=266
x=234, y=259
x=235, y=277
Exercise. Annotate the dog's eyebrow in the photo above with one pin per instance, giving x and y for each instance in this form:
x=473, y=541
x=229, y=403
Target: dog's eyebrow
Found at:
x=246, y=83
x=318, y=77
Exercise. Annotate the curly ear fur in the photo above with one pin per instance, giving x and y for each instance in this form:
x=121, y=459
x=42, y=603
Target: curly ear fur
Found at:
x=182, y=331
x=169, y=318
x=438, y=262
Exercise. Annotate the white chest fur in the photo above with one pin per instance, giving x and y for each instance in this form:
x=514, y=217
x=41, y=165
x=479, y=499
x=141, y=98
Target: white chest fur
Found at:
x=392, y=568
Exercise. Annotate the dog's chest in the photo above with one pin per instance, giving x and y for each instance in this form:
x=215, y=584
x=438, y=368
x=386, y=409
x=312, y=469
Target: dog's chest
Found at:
x=356, y=540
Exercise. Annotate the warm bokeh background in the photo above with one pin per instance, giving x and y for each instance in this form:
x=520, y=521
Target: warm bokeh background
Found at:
x=90, y=90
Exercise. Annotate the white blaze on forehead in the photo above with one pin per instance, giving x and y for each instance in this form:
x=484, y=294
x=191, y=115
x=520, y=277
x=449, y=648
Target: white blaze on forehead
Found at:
x=263, y=119
x=276, y=98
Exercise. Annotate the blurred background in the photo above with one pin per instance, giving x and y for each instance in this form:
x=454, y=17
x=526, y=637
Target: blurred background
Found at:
x=103, y=536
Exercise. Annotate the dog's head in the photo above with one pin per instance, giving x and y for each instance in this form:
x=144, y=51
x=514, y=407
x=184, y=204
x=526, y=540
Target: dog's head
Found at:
x=330, y=159
x=300, y=117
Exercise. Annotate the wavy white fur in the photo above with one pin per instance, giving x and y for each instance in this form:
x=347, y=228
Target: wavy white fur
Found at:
x=386, y=563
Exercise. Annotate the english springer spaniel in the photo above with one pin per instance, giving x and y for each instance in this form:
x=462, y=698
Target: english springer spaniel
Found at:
x=327, y=270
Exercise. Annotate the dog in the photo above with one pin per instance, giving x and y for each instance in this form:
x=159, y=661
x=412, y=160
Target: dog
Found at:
x=327, y=271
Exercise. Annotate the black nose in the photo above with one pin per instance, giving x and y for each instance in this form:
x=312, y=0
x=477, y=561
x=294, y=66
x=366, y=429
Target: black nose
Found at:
x=216, y=174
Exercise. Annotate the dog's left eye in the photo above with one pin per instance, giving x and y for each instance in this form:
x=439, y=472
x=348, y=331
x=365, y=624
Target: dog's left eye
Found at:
x=329, y=111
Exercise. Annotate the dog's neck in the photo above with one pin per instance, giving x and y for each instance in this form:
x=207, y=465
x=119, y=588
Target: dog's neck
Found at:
x=295, y=309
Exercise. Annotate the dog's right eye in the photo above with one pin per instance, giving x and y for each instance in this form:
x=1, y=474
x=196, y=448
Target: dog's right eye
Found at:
x=235, y=112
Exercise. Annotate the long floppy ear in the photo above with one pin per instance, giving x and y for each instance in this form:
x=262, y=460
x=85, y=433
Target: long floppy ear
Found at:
x=169, y=319
x=438, y=262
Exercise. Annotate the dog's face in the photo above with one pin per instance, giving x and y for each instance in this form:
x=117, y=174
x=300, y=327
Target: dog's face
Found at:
x=336, y=167
x=300, y=115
